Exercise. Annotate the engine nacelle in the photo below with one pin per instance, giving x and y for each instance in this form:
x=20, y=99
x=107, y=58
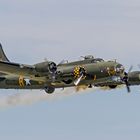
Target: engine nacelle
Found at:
x=52, y=67
x=45, y=67
x=134, y=78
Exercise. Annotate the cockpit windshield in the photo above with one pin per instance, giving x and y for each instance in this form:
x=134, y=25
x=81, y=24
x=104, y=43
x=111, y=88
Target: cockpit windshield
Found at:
x=93, y=59
x=96, y=60
x=99, y=60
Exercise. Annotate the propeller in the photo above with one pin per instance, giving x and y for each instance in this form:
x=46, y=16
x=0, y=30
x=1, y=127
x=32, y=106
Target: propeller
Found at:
x=79, y=73
x=53, y=70
x=130, y=69
x=125, y=79
x=63, y=62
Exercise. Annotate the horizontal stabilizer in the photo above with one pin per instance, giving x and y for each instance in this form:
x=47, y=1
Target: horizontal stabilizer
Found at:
x=2, y=55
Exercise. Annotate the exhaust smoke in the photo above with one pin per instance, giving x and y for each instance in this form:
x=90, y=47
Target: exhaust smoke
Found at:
x=29, y=98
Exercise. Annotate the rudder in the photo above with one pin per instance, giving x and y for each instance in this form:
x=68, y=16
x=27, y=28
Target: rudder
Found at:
x=2, y=55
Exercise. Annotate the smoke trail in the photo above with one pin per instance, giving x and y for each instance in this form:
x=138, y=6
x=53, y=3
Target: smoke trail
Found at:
x=37, y=96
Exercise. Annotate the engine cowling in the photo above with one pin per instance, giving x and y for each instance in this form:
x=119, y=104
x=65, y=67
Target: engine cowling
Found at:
x=52, y=67
x=45, y=67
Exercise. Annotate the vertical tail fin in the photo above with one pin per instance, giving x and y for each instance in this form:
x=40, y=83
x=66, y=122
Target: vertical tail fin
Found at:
x=2, y=55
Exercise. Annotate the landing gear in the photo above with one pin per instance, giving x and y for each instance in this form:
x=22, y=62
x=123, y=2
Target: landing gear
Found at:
x=112, y=86
x=49, y=90
x=90, y=86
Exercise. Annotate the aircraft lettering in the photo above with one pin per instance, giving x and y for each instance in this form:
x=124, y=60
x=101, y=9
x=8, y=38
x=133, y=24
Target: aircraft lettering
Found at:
x=21, y=81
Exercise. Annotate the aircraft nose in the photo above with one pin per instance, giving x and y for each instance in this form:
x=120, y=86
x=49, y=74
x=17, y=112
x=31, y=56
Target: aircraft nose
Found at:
x=120, y=69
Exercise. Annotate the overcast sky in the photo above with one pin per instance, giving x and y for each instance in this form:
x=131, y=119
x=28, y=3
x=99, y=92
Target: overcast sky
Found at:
x=32, y=30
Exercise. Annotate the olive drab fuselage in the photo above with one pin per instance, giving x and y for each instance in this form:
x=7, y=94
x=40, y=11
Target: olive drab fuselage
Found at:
x=48, y=75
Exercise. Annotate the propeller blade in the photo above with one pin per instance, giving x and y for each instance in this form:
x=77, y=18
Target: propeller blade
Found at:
x=130, y=69
x=53, y=77
x=79, y=73
x=77, y=81
x=53, y=70
x=63, y=62
x=126, y=81
x=128, y=87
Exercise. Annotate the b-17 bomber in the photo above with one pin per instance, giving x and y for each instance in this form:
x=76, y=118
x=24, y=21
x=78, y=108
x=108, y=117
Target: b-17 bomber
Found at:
x=47, y=75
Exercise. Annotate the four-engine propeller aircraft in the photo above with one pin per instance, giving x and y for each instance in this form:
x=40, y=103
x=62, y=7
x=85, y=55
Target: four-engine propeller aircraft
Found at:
x=48, y=76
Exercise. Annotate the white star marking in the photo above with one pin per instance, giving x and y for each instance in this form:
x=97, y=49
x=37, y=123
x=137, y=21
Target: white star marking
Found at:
x=27, y=82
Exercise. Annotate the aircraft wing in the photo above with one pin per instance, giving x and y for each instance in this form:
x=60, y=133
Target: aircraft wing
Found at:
x=108, y=81
x=16, y=69
x=41, y=72
x=134, y=78
x=27, y=71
